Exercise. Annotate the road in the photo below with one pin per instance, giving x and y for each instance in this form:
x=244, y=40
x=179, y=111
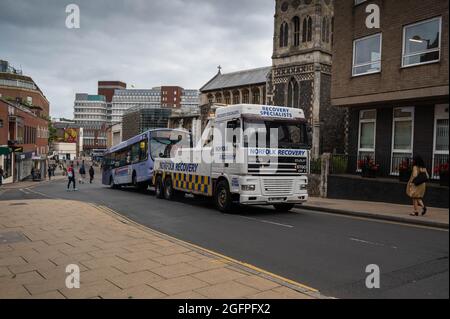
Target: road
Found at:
x=324, y=251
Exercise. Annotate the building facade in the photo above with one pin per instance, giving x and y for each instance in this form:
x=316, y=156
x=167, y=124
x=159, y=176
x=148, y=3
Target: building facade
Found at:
x=166, y=96
x=301, y=68
x=242, y=87
x=23, y=141
x=300, y=75
x=107, y=89
x=91, y=114
x=138, y=120
x=114, y=134
x=16, y=87
x=67, y=132
x=127, y=99
x=394, y=82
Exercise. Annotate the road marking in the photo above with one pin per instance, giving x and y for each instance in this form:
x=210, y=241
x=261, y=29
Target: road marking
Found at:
x=383, y=221
x=211, y=252
x=39, y=193
x=24, y=191
x=371, y=243
x=266, y=221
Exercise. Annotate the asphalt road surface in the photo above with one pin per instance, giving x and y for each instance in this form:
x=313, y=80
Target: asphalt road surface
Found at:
x=324, y=251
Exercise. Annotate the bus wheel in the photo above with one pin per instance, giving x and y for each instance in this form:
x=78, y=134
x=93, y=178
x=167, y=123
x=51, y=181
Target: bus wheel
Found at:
x=159, y=188
x=283, y=207
x=222, y=197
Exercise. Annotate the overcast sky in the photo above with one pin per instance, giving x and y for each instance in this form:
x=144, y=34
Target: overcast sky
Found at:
x=144, y=43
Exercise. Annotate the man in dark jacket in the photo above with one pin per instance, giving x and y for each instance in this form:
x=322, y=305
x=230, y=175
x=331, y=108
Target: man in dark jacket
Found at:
x=91, y=174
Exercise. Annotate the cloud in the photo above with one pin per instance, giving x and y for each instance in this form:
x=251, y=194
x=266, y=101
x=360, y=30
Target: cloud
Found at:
x=141, y=42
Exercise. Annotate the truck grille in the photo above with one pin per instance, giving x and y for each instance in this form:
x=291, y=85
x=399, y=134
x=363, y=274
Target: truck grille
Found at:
x=278, y=187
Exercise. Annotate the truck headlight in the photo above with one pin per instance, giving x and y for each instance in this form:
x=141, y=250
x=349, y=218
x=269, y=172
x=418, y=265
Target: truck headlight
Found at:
x=248, y=188
x=303, y=187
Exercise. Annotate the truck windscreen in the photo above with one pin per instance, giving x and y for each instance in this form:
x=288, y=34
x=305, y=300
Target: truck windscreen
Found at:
x=287, y=134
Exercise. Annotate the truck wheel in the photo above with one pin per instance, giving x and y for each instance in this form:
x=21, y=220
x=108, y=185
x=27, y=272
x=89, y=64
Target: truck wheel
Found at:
x=169, y=192
x=283, y=207
x=222, y=197
x=159, y=188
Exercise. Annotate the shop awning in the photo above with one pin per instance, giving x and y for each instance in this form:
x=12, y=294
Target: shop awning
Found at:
x=4, y=150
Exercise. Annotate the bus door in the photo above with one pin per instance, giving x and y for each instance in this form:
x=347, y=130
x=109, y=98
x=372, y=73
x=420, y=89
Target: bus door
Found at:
x=106, y=169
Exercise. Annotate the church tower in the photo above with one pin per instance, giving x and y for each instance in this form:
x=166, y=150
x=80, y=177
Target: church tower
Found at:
x=301, y=68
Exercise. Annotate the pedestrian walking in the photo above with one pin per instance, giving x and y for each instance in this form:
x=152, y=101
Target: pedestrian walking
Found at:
x=1, y=175
x=82, y=172
x=49, y=171
x=416, y=187
x=91, y=174
x=71, y=177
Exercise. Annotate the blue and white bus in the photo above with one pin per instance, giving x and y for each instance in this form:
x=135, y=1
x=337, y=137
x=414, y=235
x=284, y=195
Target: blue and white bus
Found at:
x=131, y=162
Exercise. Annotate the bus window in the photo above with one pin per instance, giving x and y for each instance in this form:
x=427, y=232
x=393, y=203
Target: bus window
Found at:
x=135, y=150
x=143, y=150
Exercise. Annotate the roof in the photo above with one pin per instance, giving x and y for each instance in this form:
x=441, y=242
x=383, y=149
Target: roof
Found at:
x=236, y=79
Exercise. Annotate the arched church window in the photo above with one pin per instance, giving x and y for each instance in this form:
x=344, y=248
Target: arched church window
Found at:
x=293, y=94
x=284, y=34
x=325, y=29
x=296, y=23
x=309, y=29
x=305, y=30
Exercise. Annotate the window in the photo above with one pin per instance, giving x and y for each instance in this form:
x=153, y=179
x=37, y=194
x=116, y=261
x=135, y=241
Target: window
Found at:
x=325, y=30
x=367, y=134
x=402, y=137
x=284, y=35
x=296, y=22
x=441, y=138
x=422, y=42
x=293, y=94
x=367, y=55
x=307, y=29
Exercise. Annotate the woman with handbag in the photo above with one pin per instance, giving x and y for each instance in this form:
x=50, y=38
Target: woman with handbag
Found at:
x=417, y=185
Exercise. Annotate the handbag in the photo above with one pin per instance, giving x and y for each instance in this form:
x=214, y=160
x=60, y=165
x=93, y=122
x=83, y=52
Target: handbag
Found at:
x=420, y=179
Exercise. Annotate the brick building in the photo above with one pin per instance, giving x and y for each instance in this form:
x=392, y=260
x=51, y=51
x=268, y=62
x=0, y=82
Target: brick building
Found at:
x=23, y=141
x=107, y=89
x=393, y=80
x=14, y=86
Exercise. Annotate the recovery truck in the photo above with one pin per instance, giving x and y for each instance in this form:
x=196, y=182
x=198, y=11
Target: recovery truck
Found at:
x=248, y=154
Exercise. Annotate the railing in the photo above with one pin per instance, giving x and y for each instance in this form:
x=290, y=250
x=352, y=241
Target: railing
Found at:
x=440, y=161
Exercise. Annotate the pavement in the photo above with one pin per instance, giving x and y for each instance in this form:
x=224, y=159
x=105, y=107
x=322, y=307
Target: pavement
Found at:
x=117, y=259
x=435, y=217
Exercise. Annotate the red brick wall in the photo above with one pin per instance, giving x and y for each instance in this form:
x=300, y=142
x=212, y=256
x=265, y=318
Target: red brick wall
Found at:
x=109, y=92
x=349, y=24
x=4, y=127
x=31, y=121
x=37, y=97
x=171, y=96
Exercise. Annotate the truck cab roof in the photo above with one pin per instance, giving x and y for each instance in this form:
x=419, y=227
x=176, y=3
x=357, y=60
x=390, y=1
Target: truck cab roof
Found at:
x=264, y=112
